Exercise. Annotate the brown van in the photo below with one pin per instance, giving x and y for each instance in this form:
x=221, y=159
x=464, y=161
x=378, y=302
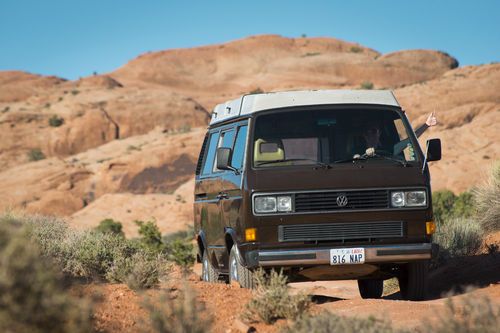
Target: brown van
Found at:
x=325, y=185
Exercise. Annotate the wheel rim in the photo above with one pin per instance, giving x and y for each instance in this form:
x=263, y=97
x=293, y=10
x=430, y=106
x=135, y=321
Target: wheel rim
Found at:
x=205, y=270
x=234, y=269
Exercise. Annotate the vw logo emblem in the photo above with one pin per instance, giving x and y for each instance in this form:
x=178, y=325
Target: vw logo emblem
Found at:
x=342, y=200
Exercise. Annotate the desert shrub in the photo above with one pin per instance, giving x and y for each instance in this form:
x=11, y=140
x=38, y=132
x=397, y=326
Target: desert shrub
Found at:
x=187, y=234
x=355, y=49
x=311, y=54
x=110, y=226
x=181, y=252
x=93, y=254
x=35, y=154
x=140, y=270
x=150, y=237
x=366, y=85
x=464, y=205
x=487, y=198
x=184, y=129
x=256, y=91
x=90, y=254
x=447, y=205
x=33, y=297
x=473, y=315
x=272, y=299
x=327, y=322
x=56, y=121
x=183, y=314
x=458, y=237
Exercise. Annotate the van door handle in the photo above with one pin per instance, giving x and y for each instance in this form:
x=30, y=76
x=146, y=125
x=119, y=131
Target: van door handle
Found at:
x=222, y=195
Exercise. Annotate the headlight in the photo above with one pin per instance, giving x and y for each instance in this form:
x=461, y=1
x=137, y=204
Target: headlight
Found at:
x=273, y=204
x=265, y=204
x=285, y=204
x=409, y=199
x=398, y=199
x=416, y=198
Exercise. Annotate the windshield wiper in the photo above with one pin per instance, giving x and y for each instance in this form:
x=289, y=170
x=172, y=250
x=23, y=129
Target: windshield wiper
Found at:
x=318, y=163
x=352, y=159
x=403, y=163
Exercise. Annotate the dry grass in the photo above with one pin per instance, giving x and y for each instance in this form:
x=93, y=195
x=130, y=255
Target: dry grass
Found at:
x=487, y=198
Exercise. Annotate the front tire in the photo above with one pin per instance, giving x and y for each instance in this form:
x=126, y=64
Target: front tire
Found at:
x=208, y=273
x=413, y=280
x=371, y=288
x=239, y=273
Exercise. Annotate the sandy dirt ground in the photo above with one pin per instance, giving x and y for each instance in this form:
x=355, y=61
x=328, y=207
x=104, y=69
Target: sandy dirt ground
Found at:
x=120, y=309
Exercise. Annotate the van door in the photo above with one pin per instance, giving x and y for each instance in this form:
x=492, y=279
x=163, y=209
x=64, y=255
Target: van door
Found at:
x=207, y=209
x=231, y=184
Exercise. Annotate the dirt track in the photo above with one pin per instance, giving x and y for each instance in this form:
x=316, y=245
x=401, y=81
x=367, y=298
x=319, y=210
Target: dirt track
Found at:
x=121, y=310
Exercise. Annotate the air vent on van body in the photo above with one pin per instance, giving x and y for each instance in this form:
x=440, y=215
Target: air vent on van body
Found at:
x=345, y=231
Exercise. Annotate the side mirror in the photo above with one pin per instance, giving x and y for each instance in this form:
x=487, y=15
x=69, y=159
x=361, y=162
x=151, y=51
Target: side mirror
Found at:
x=433, y=150
x=224, y=156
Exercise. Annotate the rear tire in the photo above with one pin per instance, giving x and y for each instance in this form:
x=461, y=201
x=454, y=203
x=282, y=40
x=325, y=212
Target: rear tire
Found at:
x=413, y=280
x=371, y=288
x=208, y=273
x=239, y=273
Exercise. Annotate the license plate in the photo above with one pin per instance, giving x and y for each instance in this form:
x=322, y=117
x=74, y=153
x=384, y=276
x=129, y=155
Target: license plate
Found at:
x=347, y=256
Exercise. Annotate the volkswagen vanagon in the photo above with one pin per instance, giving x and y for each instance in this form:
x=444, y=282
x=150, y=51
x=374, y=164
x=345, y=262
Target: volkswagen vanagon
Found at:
x=323, y=184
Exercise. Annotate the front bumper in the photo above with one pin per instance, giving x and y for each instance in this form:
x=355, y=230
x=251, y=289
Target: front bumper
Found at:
x=399, y=253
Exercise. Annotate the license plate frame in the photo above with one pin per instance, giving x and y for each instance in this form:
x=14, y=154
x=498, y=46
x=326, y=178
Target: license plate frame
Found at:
x=347, y=256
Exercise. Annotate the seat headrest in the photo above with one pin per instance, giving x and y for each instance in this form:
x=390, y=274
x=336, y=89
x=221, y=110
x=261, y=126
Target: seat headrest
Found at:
x=268, y=150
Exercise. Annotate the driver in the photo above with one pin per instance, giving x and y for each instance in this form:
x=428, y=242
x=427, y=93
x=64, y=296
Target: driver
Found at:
x=372, y=131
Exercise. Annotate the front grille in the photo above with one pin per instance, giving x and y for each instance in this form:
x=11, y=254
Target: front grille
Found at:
x=346, y=231
x=327, y=201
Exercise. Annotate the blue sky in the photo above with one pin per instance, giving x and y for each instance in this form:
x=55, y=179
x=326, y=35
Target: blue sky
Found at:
x=75, y=38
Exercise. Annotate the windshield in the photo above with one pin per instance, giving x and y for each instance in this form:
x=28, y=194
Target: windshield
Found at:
x=330, y=136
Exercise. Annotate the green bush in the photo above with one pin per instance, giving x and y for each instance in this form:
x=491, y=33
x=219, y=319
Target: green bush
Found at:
x=187, y=234
x=464, y=205
x=35, y=154
x=181, y=252
x=447, y=205
x=33, y=298
x=367, y=85
x=56, y=121
x=356, y=49
x=327, y=322
x=487, y=198
x=150, y=237
x=183, y=314
x=273, y=301
x=458, y=237
x=110, y=226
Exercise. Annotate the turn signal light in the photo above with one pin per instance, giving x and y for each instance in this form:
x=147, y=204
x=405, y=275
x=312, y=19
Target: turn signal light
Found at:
x=430, y=227
x=251, y=234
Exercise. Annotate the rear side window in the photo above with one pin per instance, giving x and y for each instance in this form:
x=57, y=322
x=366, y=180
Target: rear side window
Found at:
x=212, y=147
x=239, y=147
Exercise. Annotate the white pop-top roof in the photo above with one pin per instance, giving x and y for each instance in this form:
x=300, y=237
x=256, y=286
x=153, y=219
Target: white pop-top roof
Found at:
x=248, y=104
